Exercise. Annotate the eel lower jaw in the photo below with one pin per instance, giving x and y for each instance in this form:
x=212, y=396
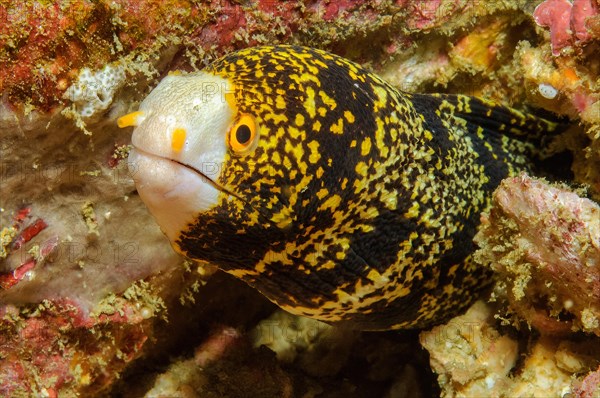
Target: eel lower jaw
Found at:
x=174, y=192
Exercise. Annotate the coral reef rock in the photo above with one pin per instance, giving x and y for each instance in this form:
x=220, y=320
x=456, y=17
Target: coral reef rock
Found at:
x=543, y=242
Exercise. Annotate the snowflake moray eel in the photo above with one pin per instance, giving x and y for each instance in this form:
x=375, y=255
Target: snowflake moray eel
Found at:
x=334, y=194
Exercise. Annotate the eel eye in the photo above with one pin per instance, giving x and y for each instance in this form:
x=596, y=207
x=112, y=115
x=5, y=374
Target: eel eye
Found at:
x=243, y=134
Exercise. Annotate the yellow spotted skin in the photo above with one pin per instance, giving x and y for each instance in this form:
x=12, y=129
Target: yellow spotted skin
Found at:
x=360, y=202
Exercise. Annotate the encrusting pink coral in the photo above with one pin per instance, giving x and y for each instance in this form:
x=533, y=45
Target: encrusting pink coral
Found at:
x=582, y=10
x=566, y=20
x=555, y=14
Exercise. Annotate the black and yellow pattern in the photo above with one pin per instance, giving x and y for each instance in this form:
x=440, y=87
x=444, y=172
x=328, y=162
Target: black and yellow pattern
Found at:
x=359, y=202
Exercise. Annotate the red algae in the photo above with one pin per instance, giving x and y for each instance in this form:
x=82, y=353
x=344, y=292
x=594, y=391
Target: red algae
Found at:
x=46, y=43
x=427, y=14
x=45, y=333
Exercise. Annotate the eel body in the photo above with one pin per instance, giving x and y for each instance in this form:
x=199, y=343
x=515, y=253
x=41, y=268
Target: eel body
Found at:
x=334, y=194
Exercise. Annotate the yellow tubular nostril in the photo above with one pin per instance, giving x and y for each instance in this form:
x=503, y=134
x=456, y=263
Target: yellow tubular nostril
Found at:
x=230, y=98
x=131, y=119
x=178, y=139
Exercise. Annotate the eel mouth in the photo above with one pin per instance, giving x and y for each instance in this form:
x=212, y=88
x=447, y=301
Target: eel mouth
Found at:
x=206, y=178
x=202, y=175
x=171, y=184
x=135, y=168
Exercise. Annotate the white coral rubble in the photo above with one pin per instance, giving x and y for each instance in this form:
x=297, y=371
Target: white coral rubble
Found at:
x=93, y=91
